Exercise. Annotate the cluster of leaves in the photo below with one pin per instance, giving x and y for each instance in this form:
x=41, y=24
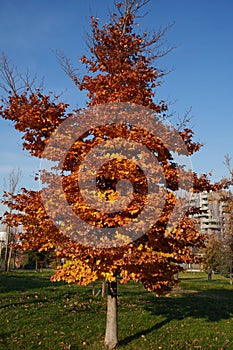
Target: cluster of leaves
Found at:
x=36, y=115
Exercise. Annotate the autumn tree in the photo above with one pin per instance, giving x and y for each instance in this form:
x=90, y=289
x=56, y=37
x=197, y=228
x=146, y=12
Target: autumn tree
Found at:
x=114, y=213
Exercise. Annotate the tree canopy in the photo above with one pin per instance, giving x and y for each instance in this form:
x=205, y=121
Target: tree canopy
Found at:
x=120, y=81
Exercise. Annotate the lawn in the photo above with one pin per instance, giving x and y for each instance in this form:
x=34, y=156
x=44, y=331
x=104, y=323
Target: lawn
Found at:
x=38, y=314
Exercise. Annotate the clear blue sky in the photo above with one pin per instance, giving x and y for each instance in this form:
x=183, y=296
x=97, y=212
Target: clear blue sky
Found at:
x=201, y=65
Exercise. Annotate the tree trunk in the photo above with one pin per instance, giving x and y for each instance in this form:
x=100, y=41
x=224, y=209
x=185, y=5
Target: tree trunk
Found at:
x=231, y=271
x=111, y=334
x=103, y=288
x=6, y=258
x=0, y=254
x=93, y=289
x=36, y=266
x=14, y=259
x=9, y=259
x=7, y=249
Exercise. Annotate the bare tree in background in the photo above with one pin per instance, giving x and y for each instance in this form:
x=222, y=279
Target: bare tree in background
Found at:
x=227, y=198
x=11, y=184
x=222, y=250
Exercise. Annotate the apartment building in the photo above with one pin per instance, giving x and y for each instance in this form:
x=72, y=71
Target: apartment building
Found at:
x=3, y=237
x=211, y=217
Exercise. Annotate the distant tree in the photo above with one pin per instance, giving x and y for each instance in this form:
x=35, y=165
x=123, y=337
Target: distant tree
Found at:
x=219, y=255
x=227, y=198
x=224, y=245
x=213, y=253
x=120, y=69
x=11, y=185
x=38, y=260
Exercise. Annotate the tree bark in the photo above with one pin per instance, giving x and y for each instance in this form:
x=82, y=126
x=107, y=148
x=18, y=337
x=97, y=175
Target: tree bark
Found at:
x=0, y=254
x=36, y=266
x=231, y=270
x=14, y=259
x=9, y=259
x=111, y=333
x=7, y=250
x=93, y=289
x=103, y=288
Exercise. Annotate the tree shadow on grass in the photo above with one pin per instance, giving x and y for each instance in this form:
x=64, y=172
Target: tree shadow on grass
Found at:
x=11, y=281
x=212, y=305
x=4, y=340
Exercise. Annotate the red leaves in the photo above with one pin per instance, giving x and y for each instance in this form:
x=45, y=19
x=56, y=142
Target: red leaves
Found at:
x=125, y=74
x=37, y=231
x=37, y=116
x=187, y=135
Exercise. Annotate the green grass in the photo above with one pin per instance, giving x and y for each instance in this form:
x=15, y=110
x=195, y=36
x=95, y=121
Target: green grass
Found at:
x=38, y=314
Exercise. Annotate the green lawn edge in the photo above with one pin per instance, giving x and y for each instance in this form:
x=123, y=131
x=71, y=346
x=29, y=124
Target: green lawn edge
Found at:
x=38, y=314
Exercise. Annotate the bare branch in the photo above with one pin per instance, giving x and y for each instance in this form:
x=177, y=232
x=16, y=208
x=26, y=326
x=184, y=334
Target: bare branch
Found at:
x=229, y=168
x=28, y=81
x=8, y=75
x=130, y=6
x=13, y=82
x=182, y=122
x=154, y=45
x=228, y=162
x=11, y=184
x=67, y=67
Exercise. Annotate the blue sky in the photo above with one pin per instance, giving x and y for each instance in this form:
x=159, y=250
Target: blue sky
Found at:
x=201, y=66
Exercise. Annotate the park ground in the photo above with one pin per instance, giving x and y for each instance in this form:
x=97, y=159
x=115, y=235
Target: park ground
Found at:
x=38, y=314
